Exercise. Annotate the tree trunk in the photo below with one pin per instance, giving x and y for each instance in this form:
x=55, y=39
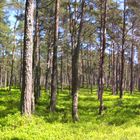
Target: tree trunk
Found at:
x=113, y=71
x=36, y=58
x=102, y=53
x=54, y=66
x=75, y=66
x=132, y=67
x=122, y=53
x=13, y=57
x=139, y=69
x=61, y=73
x=27, y=94
x=21, y=65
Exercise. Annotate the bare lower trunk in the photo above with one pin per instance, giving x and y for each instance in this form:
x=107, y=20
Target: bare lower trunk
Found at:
x=102, y=55
x=61, y=73
x=75, y=88
x=122, y=52
x=13, y=57
x=75, y=67
x=113, y=72
x=48, y=67
x=36, y=54
x=122, y=74
x=54, y=66
x=27, y=101
x=21, y=66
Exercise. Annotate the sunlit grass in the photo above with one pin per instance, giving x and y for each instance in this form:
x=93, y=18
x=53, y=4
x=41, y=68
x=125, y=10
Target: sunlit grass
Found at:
x=120, y=119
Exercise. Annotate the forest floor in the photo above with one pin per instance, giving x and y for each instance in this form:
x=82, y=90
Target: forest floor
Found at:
x=119, y=121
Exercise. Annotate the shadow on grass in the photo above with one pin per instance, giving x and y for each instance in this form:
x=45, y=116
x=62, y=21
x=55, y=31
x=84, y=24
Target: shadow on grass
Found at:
x=62, y=109
x=16, y=138
x=117, y=112
x=10, y=109
x=9, y=103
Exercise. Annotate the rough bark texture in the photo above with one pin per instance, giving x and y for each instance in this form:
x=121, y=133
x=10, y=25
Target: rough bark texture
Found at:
x=13, y=58
x=102, y=53
x=75, y=65
x=21, y=65
x=49, y=53
x=132, y=68
x=48, y=67
x=27, y=94
x=117, y=73
x=113, y=71
x=61, y=72
x=122, y=53
x=54, y=66
x=36, y=64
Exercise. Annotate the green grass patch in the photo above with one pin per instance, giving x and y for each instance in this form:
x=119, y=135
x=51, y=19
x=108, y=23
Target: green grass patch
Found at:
x=120, y=119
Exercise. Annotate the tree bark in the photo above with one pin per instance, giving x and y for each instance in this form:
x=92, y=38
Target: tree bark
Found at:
x=102, y=55
x=132, y=67
x=54, y=66
x=113, y=71
x=122, y=52
x=36, y=57
x=13, y=58
x=27, y=105
x=75, y=66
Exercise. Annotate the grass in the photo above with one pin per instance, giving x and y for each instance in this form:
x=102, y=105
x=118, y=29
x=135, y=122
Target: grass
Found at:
x=119, y=121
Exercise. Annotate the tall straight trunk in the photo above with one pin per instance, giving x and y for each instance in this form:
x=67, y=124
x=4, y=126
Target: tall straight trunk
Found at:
x=8, y=81
x=138, y=69
x=109, y=70
x=100, y=49
x=75, y=67
x=5, y=78
x=61, y=73
x=27, y=100
x=92, y=73
x=49, y=53
x=13, y=57
x=102, y=55
x=132, y=66
x=54, y=66
x=122, y=52
x=48, y=67
x=113, y=71
x=36, y=58
x=117, y=73
x=125, y=77
x=71, y=30
x=68, y=76
x=21, y=65
x=2, y=66
x=83, y=76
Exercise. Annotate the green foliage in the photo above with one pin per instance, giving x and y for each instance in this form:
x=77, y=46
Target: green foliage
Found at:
x=120, y=119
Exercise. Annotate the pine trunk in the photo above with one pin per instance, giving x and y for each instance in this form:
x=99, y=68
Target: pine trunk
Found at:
x=54, y=65
x=27, y=100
